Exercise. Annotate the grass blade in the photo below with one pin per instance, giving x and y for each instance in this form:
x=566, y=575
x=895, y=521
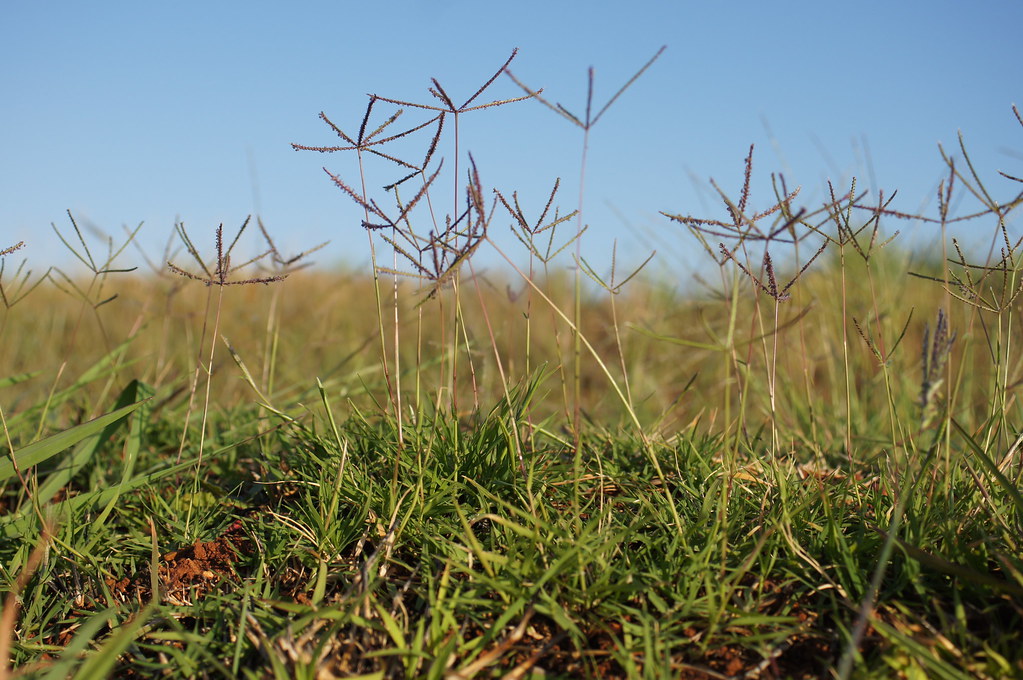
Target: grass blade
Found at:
x=43, y=450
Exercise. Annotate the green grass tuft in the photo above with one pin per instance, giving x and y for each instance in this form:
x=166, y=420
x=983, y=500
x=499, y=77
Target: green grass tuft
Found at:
x=425, y=472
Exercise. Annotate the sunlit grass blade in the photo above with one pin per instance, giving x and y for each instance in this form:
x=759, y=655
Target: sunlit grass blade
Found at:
x=43, y=450
x=991, y=469
x=70, y=656
x=100, y=663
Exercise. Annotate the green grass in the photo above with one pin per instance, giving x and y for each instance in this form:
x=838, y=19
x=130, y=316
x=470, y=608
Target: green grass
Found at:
x=809, y=467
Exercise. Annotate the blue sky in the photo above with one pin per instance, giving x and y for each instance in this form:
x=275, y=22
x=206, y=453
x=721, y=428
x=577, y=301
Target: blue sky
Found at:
x=127, y=112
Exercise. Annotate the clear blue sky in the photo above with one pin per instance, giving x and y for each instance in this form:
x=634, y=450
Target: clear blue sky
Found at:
x=128, y=112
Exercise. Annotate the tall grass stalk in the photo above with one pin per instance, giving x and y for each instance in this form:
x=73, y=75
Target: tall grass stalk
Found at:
x=585, y=123
x=215, y=276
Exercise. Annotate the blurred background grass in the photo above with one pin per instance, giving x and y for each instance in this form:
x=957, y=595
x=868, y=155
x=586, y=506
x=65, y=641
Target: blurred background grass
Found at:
x=323, y=325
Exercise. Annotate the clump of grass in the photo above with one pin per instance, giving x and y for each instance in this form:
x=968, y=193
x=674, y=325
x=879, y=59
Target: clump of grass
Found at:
x=745, y=233
x=554, y=495
x=218, y=275
x=434, y=254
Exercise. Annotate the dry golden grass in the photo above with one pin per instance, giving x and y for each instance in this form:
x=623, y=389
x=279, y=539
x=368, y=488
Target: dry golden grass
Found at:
x=319, y=324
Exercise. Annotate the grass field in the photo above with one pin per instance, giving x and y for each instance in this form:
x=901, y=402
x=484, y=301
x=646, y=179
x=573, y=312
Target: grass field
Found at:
x=806, y=466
